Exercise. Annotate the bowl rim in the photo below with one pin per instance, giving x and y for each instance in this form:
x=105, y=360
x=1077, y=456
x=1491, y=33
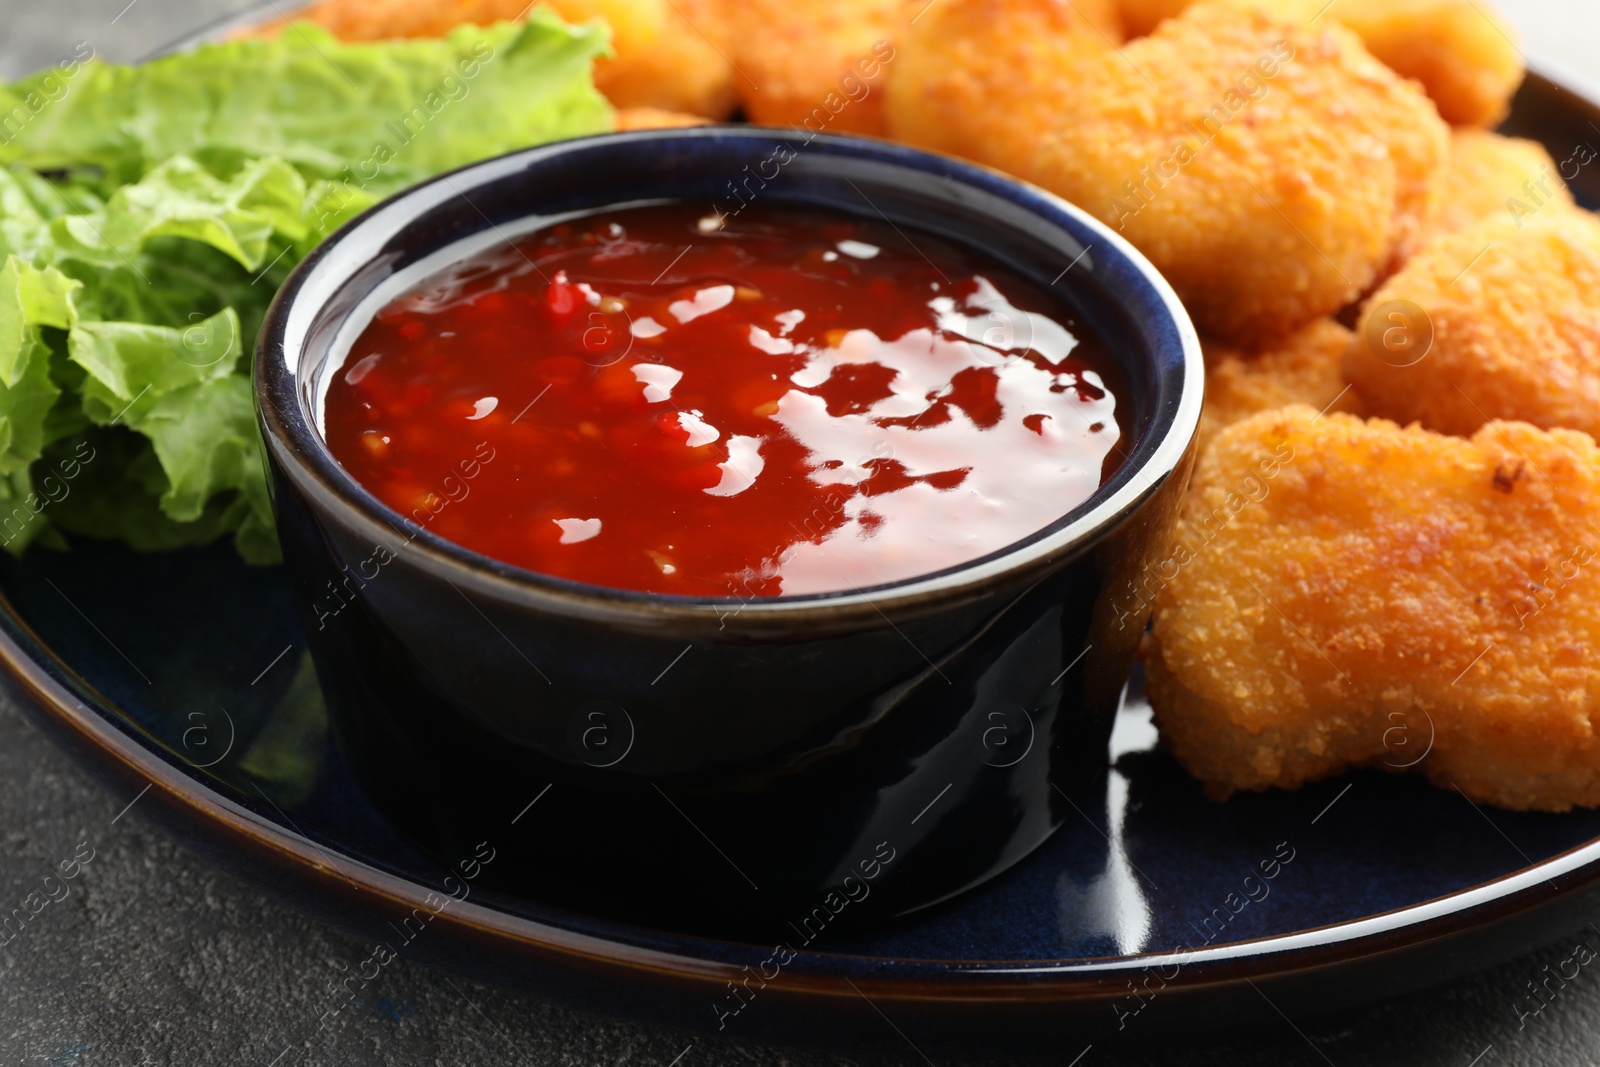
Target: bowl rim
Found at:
x=1157, y=453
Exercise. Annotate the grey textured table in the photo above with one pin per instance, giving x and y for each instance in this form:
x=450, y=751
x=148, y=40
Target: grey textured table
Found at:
x=157, y=958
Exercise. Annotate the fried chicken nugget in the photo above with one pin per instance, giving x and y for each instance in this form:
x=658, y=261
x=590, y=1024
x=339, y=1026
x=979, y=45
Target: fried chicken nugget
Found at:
x=380, y=20
x=671, y=55
x=1349, y=593
x=1269, y=170
x=649, y=118
x=1462, y=52
x=1302, y=369
x=816, y=64
x=668, y=53
x=969, y=67
x=1139, y=17
x=1491, y=175
x=1513, y=310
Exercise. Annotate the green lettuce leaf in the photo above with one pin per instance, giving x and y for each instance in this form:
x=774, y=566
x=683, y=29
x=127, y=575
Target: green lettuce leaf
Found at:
x=22, y=519
x=148, y=215
x=27, y=205
x=205, y=437
x=30, y=300
x=381, y=115
x=131, y=365
x=180, y=198
x=116, y=493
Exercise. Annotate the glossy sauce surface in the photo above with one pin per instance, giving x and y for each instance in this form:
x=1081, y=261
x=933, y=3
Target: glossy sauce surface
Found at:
x=795, y=401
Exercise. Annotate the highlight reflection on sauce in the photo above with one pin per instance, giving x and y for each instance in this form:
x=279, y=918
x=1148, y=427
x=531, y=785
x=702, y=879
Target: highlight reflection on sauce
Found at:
x=800, y=402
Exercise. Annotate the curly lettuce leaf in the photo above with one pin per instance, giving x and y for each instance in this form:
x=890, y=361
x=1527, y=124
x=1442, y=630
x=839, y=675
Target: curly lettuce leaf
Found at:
x=22, y=519
x=28, y=204
x=372, y=114
x=115, y=495
x=205, y=436
x=181, y=198
x=130, y=365
x=30, y=300
x=148, y=215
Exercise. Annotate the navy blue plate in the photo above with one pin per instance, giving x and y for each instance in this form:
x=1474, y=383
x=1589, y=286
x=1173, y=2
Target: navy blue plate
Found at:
x=181, y=681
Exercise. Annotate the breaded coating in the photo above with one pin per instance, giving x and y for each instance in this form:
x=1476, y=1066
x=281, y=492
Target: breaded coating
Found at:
x=1464, y=54
x=1302, y=369
x=1271, y=171
x=381, y=20
x=672, y=55
x=1514, y=313
x=980, y=78
x=649, y=118
x=669, y=54
x=1139, y=17
x=1489, y=175
x=816, y=64
x=1350, y=593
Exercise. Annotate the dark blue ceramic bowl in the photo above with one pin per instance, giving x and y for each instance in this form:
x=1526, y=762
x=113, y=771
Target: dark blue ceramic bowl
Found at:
x=716, y=764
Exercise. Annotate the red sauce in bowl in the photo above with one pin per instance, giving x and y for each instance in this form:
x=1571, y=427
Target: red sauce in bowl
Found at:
x=800, y=401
